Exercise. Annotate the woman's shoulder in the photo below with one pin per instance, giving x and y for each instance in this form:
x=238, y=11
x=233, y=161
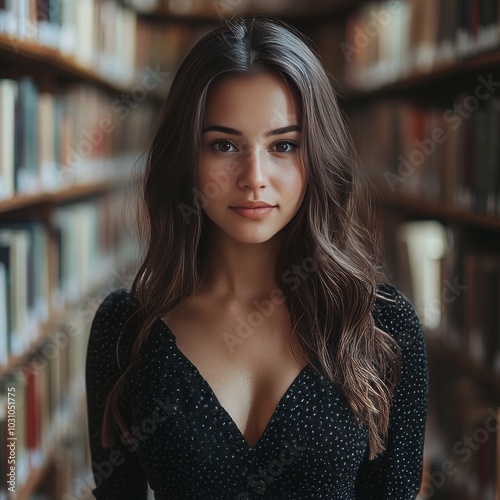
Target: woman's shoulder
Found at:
x=109, y=320
x=395, y=314
x=115, y=309
x=390, y=300
x=117, y=303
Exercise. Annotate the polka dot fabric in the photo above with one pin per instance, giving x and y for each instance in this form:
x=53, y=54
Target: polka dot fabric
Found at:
x=186, y=446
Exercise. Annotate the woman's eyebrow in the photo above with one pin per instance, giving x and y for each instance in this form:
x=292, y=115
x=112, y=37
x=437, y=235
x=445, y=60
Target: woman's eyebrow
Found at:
x=220, y=128
x=232, y=131
x=283, y=130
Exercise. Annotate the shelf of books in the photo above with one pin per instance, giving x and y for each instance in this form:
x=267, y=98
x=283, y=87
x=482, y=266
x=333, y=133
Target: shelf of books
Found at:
x=77, y=98
x=420, y=85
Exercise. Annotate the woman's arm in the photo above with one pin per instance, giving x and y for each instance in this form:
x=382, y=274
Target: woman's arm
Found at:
x=397, y=472
x=117, y=472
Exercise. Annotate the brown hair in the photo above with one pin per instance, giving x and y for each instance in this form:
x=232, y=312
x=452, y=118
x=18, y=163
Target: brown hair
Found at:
x=331, y=309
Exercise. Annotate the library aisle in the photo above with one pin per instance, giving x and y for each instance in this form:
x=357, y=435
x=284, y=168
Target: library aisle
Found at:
x=81, y=85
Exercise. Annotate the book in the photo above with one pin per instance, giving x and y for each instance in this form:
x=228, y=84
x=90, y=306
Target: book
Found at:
x=26, y=156
x=482, y=312
x=424, y=245
x=391, y=40
x=432, y=152
x=4, y=326
x=8, y=96
x=14, y=256
x=25, y=292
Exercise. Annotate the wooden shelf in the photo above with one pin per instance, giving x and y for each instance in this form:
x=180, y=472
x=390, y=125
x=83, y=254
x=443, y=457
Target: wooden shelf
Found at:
x=69, y=194
x=19, y=52
x=308, y=13
x=433, y=209
x=442, y=73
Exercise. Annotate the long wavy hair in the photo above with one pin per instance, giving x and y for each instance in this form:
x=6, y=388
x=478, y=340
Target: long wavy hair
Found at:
x=331, y=309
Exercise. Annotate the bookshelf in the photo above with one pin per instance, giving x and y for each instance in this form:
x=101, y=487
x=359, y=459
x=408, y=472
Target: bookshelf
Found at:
x=413, y=206
x=24, y=52
x=441, y=74
x=76, y=104
x=419, y=84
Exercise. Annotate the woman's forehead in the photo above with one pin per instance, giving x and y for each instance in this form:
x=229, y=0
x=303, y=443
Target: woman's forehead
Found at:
x=244, y=102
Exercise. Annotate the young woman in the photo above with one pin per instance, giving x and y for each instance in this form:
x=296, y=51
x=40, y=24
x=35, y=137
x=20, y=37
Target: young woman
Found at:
x=259, y=353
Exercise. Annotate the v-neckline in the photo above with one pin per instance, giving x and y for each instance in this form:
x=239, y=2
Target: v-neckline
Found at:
x=228, y=416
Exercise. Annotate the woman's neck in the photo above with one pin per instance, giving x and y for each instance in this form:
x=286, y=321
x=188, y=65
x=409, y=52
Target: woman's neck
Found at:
x=241, y=272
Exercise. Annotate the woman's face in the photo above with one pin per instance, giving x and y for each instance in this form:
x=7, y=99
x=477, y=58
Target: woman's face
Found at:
x=250, y=153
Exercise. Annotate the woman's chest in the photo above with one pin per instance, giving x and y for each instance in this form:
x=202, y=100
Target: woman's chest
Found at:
x=187, y=440
x=244, y=359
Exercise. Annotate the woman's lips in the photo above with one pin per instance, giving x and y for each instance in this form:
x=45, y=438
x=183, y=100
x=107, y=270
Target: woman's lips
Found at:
x=253, y=213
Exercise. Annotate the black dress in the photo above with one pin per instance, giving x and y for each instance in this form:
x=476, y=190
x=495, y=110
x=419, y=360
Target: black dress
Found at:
x=186, y=445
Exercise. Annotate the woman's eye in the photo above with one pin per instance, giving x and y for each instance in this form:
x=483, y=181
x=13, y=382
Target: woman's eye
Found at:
x=222, y=146
x=285, y=146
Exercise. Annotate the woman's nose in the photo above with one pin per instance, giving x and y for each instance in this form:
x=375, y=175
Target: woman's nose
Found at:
x=253, y=170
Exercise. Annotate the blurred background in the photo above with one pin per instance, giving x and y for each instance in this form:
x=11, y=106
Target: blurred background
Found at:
x=81, y=84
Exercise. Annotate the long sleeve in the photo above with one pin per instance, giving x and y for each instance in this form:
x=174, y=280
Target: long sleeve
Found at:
x=397, y=472
x=117, y=472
